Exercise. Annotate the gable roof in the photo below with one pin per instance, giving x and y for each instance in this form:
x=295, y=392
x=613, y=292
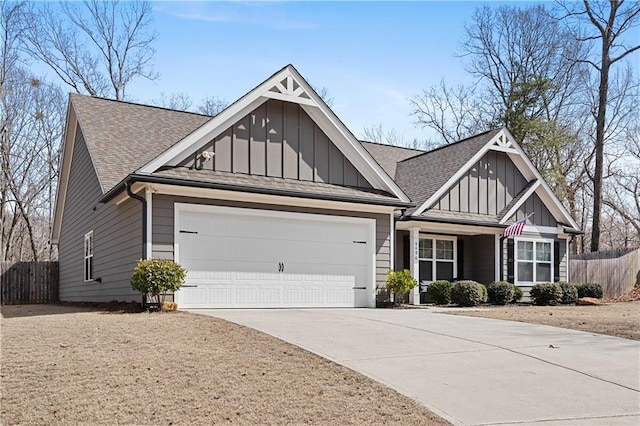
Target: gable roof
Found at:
x=286, y=85
x=388, y=156
x=123, y=136
x=423, y=175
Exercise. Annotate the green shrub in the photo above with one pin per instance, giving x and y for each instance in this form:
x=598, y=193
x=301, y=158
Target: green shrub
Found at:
x=569, y=293
x=399, y=283
x=155, y=277
x=485, y=294
x=440, y=292
x=468, y=293
x=590, y=290
x=517, y=294
x=546, y=294
x=500, y=292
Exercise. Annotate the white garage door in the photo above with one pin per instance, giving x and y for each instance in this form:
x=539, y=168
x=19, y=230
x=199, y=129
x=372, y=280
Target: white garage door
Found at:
x=245, y=258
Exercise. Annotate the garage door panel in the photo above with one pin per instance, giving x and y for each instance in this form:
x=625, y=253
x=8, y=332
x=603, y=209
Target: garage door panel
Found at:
x=236, y=259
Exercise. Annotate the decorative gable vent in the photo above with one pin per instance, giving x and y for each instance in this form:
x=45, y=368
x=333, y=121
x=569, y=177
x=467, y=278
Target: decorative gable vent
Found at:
x=289, y=90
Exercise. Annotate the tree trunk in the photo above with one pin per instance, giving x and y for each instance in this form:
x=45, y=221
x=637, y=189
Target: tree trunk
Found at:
x=599, y=145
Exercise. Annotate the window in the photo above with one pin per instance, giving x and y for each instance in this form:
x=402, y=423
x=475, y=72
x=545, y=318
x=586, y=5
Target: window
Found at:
x=534, y=261
x=437, y=258
x=88, y=256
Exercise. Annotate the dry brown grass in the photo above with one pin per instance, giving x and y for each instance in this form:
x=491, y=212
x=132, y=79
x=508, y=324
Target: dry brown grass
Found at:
x=620, y=319
x=63, y=364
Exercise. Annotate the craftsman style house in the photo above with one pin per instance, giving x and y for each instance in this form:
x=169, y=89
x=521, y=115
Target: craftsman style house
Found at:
x=274, y=203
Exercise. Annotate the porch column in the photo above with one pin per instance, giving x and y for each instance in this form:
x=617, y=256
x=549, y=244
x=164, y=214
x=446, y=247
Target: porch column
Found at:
x=414, y=238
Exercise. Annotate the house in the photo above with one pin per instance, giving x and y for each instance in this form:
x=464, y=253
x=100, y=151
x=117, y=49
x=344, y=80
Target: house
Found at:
x=275, y=203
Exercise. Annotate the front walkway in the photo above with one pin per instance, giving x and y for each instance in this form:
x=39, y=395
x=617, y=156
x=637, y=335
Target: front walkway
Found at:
x=471, y=370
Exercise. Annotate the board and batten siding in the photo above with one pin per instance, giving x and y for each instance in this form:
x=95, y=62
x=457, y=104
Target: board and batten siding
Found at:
x=486, y=188
x=541, y=214
x=117, y=235
x=278, y=139
x=163, y=223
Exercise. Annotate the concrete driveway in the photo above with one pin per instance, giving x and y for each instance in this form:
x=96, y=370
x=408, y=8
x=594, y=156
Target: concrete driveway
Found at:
x=471, y=370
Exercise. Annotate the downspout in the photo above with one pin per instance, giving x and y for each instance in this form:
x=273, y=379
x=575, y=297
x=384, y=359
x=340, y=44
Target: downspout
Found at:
x=143, y=200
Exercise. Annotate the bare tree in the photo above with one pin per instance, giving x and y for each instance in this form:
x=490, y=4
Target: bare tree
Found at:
x=454, y=113
x=377, y=133
x=606, y=23
x=97, y=47
x=176, y=100
x=211, y=105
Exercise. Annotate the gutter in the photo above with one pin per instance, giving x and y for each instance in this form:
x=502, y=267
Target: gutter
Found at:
x=129, y=180
x=143, y=200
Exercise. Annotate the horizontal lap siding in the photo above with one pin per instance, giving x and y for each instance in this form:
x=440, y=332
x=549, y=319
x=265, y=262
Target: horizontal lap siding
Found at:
x=117, y=233
x=163, y=219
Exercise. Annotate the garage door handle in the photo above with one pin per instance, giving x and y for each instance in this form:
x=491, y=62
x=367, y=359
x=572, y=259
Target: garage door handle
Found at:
x=360, y=242
x=359, y=288
x=280, y=267
x=189, y=285
x=182, y=231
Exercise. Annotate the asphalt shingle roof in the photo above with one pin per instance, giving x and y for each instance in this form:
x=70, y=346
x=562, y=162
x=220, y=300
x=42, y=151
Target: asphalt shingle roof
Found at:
x=388, y=156
x=422, y=175
x=122, y=137
x=322, y=190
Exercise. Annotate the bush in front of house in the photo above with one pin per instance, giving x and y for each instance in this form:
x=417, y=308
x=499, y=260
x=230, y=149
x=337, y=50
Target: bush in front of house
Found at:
x=500, y=292
x=399, y=283
x=156, y=277
x=517, y=294
x=440, y=292
x=468, y=293
x=546, y=294
x=590, y=290
x=569, y=293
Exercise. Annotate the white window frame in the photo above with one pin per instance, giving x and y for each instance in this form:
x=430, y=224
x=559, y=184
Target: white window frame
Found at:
x=434, y=258
x=87, y=252
x=534, y=261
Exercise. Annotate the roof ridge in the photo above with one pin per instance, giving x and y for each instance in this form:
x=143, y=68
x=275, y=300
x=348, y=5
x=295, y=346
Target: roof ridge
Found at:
x=100, y=98
x=453, y=143
x=393, y=146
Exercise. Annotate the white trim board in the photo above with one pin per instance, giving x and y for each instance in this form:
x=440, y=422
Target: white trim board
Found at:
x=520, y=202
x=312, y=104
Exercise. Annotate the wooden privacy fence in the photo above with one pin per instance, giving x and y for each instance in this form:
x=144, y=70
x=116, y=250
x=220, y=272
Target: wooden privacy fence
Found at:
x=617, y=271
x=28, y=282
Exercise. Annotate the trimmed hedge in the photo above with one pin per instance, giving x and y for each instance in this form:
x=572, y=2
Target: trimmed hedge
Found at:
x=590, y=290
x=468, y=293
x=569, y=293
x=500, y=292
x=440, y=292
x=546, y=294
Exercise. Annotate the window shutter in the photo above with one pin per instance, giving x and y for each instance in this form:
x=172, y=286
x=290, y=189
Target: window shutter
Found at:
x=510, y=261
x=556, y=261
x=406, y=253
x=460, y=275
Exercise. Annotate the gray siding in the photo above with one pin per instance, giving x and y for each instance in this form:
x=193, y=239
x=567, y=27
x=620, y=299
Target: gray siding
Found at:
x=163, y=220
x=117, y=233
x=479, y=257
x=541, y=215
x=486, y=188
x=279, y=139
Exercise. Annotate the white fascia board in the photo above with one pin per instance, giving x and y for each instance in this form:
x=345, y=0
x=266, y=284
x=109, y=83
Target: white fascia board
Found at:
x=68, y=142
x=520, y=202
x=444, y=188
x=447, y=228
x=355, y=152
x=545, y=192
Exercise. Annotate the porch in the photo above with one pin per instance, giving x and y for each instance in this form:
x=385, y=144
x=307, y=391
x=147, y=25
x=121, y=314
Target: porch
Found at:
x=433, y=251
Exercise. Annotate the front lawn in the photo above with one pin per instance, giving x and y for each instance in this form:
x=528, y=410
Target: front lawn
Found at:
x=621, y=319
x=62, y=364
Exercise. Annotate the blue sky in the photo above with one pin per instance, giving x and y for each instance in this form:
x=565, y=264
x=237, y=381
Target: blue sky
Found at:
x=372, y=57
